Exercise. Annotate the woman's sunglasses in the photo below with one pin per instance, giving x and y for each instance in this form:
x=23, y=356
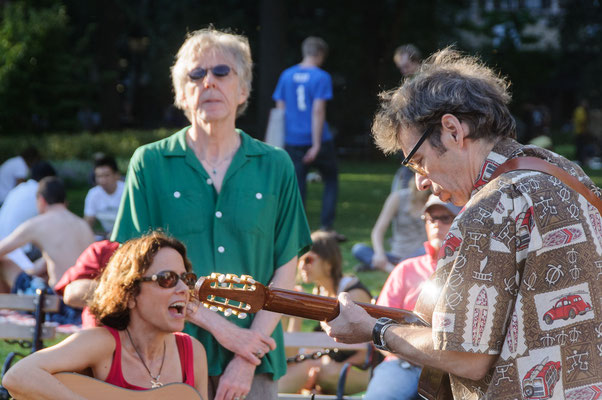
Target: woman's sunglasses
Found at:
x=218, y=71
x=169, y=279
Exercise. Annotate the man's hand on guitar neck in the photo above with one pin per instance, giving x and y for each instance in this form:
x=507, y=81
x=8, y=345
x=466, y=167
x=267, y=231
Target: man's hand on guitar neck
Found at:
x=353, y=325
x=412, y=343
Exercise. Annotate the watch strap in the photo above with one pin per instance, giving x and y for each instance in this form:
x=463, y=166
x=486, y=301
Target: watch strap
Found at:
x=378, y=332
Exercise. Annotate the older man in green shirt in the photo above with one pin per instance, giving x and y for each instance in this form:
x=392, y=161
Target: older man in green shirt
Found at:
x=233, y=201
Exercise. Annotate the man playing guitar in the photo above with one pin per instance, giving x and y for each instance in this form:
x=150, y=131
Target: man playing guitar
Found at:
x=518, y=302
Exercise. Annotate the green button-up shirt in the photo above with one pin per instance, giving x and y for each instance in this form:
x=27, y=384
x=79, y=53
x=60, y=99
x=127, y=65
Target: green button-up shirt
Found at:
x=253, y=226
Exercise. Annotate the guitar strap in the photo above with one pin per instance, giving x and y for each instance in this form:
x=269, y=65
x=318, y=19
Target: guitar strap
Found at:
x=537, y=164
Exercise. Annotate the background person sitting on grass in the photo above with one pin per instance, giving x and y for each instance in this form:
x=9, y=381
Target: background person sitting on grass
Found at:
x=322, y=266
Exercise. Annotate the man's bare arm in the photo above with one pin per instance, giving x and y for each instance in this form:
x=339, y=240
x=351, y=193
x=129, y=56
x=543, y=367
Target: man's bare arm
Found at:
x=19, y=237
x=318, y=116
x=284, y=278
x=78, y=292
x=414, y=344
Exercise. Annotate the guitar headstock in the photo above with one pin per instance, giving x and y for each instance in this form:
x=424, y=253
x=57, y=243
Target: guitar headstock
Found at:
x=230, y=294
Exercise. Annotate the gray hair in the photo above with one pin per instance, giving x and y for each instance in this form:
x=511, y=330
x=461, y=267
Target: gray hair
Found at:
x=210, y=39
x=447, y=82
x=314, y=46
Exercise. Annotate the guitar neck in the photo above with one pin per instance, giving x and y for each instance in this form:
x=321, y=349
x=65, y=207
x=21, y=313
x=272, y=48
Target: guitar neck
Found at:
x=322, y=308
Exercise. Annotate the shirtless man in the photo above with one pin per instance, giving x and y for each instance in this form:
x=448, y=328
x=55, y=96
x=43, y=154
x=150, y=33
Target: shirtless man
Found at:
x=58, y=233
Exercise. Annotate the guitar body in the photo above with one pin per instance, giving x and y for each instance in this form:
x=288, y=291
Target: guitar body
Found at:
x=94, y=389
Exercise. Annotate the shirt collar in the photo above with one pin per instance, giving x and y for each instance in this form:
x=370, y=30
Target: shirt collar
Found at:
x=503, y=150
x=176, y=144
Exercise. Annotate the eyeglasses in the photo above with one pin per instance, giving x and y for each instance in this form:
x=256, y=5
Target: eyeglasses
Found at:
x=218, y=71
x=169, y=279
x=407, y=162
x=444, y=219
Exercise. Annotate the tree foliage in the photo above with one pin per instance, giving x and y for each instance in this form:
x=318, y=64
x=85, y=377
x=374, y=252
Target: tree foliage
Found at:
x=112, y=58
x=38, y=88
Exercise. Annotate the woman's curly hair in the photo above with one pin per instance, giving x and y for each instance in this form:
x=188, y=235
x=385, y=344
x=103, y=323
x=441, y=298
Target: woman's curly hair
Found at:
x=120, y=280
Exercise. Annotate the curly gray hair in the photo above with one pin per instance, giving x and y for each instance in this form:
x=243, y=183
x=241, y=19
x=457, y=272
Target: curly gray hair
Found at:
x=447, y=82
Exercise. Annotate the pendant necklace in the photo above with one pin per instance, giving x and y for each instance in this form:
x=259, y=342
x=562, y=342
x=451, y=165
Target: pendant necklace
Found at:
x=214, y=167
x=154, y=379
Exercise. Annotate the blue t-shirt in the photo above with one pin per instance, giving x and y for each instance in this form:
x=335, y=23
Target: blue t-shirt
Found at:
x=298, y=87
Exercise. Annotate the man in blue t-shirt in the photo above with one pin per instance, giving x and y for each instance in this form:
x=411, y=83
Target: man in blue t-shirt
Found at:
x=303, y=91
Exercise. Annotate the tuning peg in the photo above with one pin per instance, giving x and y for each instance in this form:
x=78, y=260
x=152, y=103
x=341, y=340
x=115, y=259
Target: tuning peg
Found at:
x=224, y=284
x=233, y=277
x=242, y=315
x=248, y=279
x=221, y=278
x=228, y=312
x=214, y=308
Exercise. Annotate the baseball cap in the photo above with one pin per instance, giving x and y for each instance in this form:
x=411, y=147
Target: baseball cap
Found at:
x=436, y=201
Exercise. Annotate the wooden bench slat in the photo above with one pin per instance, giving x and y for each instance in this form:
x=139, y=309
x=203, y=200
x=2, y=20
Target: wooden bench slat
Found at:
x=24, y=302
x=317, y=339
x=13, y=331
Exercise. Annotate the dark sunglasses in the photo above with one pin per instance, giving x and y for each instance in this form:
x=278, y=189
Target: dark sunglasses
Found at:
x=407, y=162
x=444, y=219
x=169, y=279
x=218, y=71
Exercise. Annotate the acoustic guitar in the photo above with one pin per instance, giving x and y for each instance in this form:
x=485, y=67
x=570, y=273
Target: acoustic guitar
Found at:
x=94, y=389
x=233, y=295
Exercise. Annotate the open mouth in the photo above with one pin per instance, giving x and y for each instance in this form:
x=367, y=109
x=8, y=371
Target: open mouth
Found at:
x=177, y=308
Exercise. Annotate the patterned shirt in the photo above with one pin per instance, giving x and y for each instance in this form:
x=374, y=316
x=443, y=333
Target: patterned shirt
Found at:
x=521, y=271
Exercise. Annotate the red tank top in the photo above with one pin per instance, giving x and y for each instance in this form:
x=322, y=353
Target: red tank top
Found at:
x=184, y=344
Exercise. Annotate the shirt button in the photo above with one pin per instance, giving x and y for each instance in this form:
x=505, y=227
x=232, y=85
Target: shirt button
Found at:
x=218, y=214
x=176, y=194
x=209, y=181
x=259, y=196
x=221, y=249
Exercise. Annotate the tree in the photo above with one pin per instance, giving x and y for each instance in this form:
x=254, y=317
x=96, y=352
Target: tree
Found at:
x=38, y=75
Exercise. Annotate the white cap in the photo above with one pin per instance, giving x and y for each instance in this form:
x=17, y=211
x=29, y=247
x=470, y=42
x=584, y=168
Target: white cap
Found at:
x=436, y=201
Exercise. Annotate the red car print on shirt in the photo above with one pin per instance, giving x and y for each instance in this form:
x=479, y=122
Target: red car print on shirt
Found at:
x=539, y=382
x=567, y=307
x=451, y=244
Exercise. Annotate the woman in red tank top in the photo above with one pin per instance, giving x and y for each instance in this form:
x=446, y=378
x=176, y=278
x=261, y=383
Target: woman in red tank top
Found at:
x=141, y=300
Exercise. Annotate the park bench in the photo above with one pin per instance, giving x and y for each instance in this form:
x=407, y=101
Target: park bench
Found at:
x=296, y=340
x=27, y=335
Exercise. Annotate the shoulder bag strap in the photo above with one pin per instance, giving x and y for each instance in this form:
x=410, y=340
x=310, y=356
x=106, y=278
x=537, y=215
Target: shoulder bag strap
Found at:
x=537, y=164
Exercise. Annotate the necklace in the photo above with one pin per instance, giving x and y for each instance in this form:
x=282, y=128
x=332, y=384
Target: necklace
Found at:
x=215, y=166
x=154, y=379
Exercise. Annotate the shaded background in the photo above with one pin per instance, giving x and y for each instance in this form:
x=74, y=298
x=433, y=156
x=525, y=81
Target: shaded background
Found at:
x=72, y=65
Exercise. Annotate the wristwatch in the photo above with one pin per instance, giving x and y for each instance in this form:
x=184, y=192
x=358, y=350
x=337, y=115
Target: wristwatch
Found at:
x=378, y=332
